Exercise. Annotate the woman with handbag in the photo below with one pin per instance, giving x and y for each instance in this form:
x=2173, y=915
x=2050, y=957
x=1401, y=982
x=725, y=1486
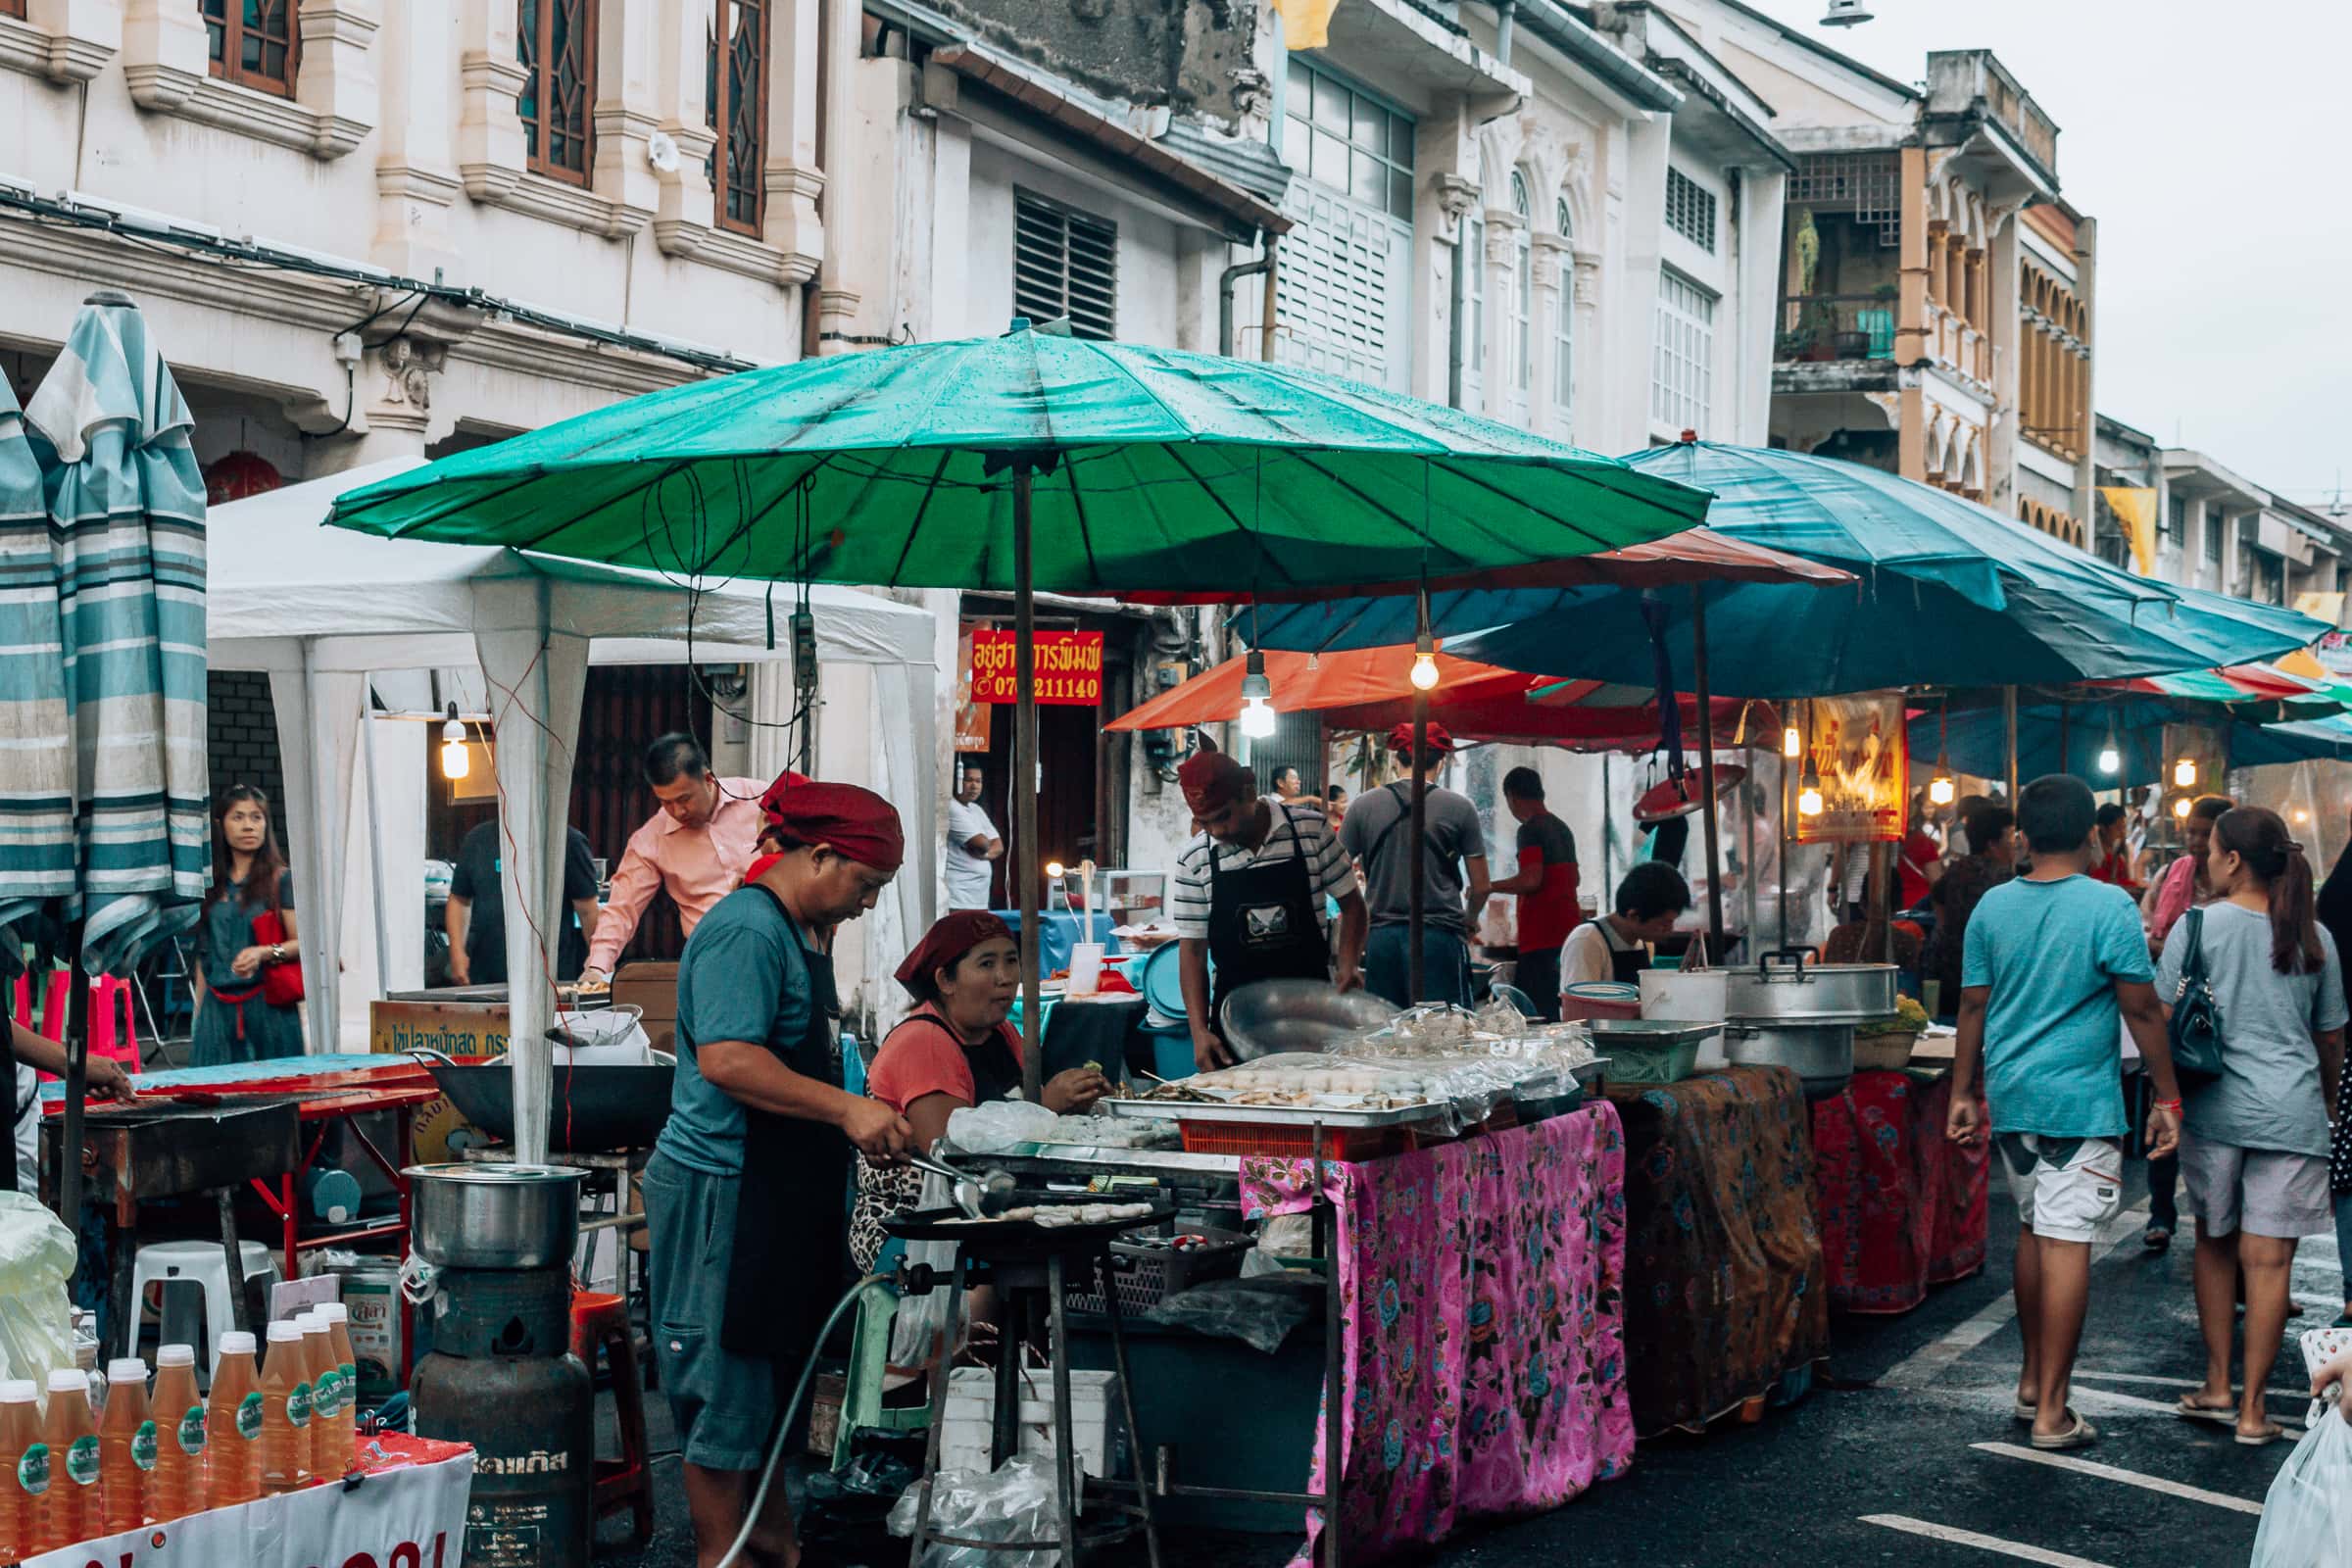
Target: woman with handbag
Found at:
x=2256, y=973
x=249, y=1004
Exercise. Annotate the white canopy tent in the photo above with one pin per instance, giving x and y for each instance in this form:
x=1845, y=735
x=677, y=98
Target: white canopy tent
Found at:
x=323, y=610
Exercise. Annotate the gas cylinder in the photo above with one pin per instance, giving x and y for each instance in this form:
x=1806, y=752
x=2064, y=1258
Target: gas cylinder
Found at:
x=533, y=1423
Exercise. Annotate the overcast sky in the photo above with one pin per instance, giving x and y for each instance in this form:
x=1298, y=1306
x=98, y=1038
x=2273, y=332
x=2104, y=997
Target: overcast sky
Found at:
x=2209, y=141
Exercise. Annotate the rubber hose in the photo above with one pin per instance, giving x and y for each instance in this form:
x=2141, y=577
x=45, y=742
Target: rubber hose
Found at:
x=800, y=1391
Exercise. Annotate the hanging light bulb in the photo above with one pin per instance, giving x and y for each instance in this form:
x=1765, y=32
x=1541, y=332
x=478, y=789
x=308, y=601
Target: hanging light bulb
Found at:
x=1808, y=792
x=1055, y=869
x=2185, y=772
x=2111, y=761
x=1257, y=699
x=1941, y=791
x=1425, y=649
x=1792, y=742
x=456, y=760
x=2180, y=808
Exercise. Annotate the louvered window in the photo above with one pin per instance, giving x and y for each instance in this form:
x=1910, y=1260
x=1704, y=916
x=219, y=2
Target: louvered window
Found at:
x=1682, y=370
x=1563, y=379
x=556, y=42
x=735, y=93
x=253, y=43
x=1064, y=262
x=1691, y=210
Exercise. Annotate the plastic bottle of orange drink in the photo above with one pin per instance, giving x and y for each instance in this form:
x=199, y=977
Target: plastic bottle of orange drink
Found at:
x=286, y=1409
x=126, y=1447
x=232, y=1424
x=318, y=1348
x=24, y=1467
x=344, y=1427
x=71, y=1432
x=178, y=1488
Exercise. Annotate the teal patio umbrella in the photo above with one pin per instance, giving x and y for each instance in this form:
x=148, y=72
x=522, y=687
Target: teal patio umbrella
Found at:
x=1029, y=462
x=102, y=668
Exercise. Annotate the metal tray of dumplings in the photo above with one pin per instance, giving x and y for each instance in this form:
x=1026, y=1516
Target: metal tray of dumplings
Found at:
x=1275, y=1115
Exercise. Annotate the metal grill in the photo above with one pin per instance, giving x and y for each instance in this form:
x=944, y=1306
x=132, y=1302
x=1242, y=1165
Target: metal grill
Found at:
x=1689, y=210
x=1064, y=262
x=1869, y=185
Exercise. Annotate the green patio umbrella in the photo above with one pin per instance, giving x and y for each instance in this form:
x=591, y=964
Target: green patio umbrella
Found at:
x=1027, y=462
x=102, y=669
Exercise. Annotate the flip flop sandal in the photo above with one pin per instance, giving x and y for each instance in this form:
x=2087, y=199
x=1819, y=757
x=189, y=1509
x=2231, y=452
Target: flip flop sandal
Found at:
x=2219, y=1414
x=2079, y=1435
x=2260, y=1440
x=2023, y=1412
x=2156, y=1239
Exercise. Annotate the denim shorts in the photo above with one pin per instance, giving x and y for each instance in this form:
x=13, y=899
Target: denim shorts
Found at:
x=725, y=1405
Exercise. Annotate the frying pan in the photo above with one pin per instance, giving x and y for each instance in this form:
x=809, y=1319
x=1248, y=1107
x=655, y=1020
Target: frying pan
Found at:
x=596, y=1109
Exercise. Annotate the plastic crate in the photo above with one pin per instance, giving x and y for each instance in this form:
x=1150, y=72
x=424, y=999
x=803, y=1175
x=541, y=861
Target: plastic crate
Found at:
x=1272, y=1138
x=1145, y=1276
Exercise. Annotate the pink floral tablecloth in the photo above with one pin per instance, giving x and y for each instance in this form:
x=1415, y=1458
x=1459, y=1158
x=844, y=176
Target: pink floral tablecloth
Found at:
x=1481, y=1285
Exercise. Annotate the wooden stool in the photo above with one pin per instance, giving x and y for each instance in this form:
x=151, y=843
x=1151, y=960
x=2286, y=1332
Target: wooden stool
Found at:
x=601, y=1321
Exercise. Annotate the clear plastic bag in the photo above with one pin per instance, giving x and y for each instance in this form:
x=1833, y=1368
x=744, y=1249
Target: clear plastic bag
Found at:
x=997, y=1126
x=1015, y=1503
x=2307, y=1518
x=37, y=1321
x=1259, y=1312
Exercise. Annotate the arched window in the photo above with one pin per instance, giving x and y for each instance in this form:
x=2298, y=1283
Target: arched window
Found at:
x=1471, y=256
x=1523, y=285
x=1563, y=383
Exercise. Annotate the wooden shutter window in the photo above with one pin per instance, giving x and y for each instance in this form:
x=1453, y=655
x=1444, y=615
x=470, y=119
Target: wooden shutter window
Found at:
x=252, y=43
x=1064, y=262
x=556, y=42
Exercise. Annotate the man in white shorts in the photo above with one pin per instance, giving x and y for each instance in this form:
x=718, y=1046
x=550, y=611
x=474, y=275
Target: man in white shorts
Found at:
x=2053, y=966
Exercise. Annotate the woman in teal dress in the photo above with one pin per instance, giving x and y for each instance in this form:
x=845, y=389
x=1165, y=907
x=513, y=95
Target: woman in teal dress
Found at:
x=234, y=1020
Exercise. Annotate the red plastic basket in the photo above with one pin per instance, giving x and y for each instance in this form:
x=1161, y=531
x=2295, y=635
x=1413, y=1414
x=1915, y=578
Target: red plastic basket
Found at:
x=1270, y=1138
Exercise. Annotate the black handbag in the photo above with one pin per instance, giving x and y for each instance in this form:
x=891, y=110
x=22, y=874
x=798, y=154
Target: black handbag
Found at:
x=2195, y=1031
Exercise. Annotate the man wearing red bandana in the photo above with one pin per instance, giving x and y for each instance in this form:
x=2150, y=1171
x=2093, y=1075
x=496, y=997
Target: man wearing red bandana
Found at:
x=1250, y=894
x=744, y=1189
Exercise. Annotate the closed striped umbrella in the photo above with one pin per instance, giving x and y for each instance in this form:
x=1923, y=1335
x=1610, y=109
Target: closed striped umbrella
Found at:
x=102, y=662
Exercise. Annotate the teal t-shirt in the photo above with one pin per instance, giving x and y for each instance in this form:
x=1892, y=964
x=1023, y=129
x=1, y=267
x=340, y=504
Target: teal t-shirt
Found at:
x=743, y=977
x=2052, y=952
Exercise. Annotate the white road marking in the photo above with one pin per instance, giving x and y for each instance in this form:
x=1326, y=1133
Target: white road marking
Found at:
x=2180, y=1382
x=2128, y=1478
x=1931, y=1361
x=1969, y=1538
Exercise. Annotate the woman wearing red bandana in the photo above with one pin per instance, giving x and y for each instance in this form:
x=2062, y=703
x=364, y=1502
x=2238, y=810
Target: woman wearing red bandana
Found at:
x=743, y=1194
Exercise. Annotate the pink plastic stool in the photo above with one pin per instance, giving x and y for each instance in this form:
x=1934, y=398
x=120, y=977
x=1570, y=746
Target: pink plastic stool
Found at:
x=114, y=1023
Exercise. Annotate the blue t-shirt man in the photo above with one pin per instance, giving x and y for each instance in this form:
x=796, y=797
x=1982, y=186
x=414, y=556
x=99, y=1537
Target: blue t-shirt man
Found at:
x=2052, y=952
x=743, y=977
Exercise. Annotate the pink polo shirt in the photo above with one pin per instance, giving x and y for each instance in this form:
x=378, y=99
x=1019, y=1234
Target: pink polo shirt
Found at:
x=698, y=865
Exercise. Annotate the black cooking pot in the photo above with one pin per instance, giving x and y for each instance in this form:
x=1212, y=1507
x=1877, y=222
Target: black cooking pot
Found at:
x=595, y=1109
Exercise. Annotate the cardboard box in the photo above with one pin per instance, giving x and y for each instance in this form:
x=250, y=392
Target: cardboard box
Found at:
x=652, y=989
x=453, y=1028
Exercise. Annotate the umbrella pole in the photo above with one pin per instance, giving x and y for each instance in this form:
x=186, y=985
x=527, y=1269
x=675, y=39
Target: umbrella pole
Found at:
x=1418, y=905
x=1024, y=785
x=1706, y=771
x=2009, y=718
x=77, y=1082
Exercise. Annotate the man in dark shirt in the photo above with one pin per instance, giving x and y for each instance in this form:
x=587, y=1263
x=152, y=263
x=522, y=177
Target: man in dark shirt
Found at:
x=1547, y=885
x=476, y=918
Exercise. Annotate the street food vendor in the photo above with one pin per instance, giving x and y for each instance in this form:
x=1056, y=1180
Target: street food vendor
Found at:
x=953, y=1051
x=695, y=848
x=1617, y=945
x=1250, y=894
x=33, y=1055
x=744, y=1190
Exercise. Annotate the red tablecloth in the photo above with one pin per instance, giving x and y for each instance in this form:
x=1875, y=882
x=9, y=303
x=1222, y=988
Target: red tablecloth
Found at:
x=1901, y=1208
x=1482, y=1282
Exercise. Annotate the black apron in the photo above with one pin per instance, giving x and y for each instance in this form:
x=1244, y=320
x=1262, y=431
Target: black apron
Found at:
x=1264, y=924
x=1625, y=963
x=996, y=1068
x=791, y=1246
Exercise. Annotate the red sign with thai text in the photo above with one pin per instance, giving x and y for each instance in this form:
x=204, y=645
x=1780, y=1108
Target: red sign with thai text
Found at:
x=1069, y=668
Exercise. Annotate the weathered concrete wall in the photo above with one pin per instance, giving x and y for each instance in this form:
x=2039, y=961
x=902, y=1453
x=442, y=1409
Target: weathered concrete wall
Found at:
x=1195, y=54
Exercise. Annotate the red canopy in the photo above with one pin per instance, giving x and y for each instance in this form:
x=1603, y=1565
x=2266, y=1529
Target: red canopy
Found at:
x=1695, y=555
x=1370, y=689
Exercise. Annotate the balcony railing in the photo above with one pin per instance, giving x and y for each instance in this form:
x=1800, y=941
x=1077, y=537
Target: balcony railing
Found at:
x=1836, y=327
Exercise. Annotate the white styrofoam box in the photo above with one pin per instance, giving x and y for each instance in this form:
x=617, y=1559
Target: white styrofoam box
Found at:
x=968, y=1420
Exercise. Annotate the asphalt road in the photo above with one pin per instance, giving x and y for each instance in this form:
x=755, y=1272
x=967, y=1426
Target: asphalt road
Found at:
x=1909, y=1455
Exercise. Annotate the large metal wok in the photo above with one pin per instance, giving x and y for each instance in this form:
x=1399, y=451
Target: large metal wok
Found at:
x=594, y=1110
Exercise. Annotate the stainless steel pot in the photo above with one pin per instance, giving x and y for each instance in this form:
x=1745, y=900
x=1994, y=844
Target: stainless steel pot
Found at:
x=1820, y=1054
x=1786, y=987
x=494, y=1216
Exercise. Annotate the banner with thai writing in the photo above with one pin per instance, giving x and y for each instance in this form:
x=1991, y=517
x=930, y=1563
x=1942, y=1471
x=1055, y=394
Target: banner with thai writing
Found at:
x=1856, y=755
x=411, y=1513
x=1069, y=668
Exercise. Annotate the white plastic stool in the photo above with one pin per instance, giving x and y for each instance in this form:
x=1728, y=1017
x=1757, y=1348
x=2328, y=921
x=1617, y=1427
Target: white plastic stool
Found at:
x=201, y=1263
